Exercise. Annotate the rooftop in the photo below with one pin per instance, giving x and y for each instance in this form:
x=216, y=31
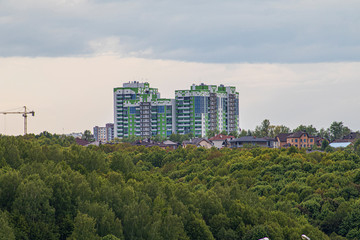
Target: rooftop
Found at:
x=221, y=137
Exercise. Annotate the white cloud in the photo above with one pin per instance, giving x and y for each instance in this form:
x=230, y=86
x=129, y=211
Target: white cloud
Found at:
x=204, y=31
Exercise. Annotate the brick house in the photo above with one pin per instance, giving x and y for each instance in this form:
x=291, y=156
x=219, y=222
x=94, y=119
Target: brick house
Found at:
x=281, y=140
x=302, y=140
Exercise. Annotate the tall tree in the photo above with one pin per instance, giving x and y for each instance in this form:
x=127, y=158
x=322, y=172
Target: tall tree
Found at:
x=338, y=130
x=263, y=129
x=310, y=129
x=88, y=136
x=324, y=133
x=234, y=133
x=243, y=133
x=276, y=130
x=212, y=133
x=324, y=145
x=84, y=228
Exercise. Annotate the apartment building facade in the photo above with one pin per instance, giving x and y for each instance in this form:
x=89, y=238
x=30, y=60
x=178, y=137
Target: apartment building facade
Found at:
x=104, y=134
x=207, y=107
x=139, y=110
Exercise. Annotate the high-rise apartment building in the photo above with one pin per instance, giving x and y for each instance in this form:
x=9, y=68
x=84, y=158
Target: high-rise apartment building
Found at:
x=139, y=111
x=207, y=107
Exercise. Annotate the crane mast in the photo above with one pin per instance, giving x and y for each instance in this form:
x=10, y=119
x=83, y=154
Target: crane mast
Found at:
x=24, y=114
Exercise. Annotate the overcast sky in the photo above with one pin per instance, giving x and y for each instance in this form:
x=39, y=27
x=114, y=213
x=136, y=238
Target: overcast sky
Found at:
x=293, y=62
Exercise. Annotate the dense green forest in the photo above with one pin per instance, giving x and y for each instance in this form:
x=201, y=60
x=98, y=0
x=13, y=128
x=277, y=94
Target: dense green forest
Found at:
x=51, y=188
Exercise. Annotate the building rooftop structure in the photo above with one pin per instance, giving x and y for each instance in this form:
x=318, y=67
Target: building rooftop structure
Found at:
x=252, y=140
x=283, y=136
x=339, y=144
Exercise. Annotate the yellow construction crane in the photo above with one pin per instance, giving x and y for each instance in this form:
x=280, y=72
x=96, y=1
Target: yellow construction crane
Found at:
x=24, y=114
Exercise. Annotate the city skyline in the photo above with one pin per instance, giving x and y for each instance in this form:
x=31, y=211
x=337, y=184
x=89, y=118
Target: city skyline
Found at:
x=291, y=62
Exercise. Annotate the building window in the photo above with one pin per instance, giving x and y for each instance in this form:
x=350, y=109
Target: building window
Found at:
x=296, y=140
x=161, y=109
x=311, y=140
x=132, y=110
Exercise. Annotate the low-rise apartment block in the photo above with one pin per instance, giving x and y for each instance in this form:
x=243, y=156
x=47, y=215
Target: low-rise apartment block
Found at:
x=104, y=134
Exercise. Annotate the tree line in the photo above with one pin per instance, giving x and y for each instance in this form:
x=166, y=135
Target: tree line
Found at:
x=336, y=130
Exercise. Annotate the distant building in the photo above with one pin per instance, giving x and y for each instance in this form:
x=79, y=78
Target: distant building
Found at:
x=198, y=142
x=75, y=135
x=219, y=139
x=171, y=144
x=252, y=141
x=352, y=137
x=345, y=140
x=139, y=111
x=301, y=140
x=281, y=140
x=340, y=144
x=104, y=134
x=207, y=107
x=149, y=143
x=110, y=132
x=81, y=142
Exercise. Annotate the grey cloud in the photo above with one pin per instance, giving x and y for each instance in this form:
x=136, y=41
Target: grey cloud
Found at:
x=205, y=31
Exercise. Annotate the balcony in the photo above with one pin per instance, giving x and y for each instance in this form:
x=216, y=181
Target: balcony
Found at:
x=183, y=125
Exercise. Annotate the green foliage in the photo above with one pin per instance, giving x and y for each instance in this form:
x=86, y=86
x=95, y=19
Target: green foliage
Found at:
x=311, y=130
x=84, y=228
x=337, y=130
x=267, y=130
x=88, y=136
x=46, y=138
x=357, y=147
x=6, y=232
x=324, y=144
x=158, y=138
x=212, y=133
x=263, y=130
x=50, y=191
x=179, y=138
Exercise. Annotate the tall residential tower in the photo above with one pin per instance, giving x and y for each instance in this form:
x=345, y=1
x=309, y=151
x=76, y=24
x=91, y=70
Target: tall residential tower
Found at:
x=207, y=107
x=139, y=111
